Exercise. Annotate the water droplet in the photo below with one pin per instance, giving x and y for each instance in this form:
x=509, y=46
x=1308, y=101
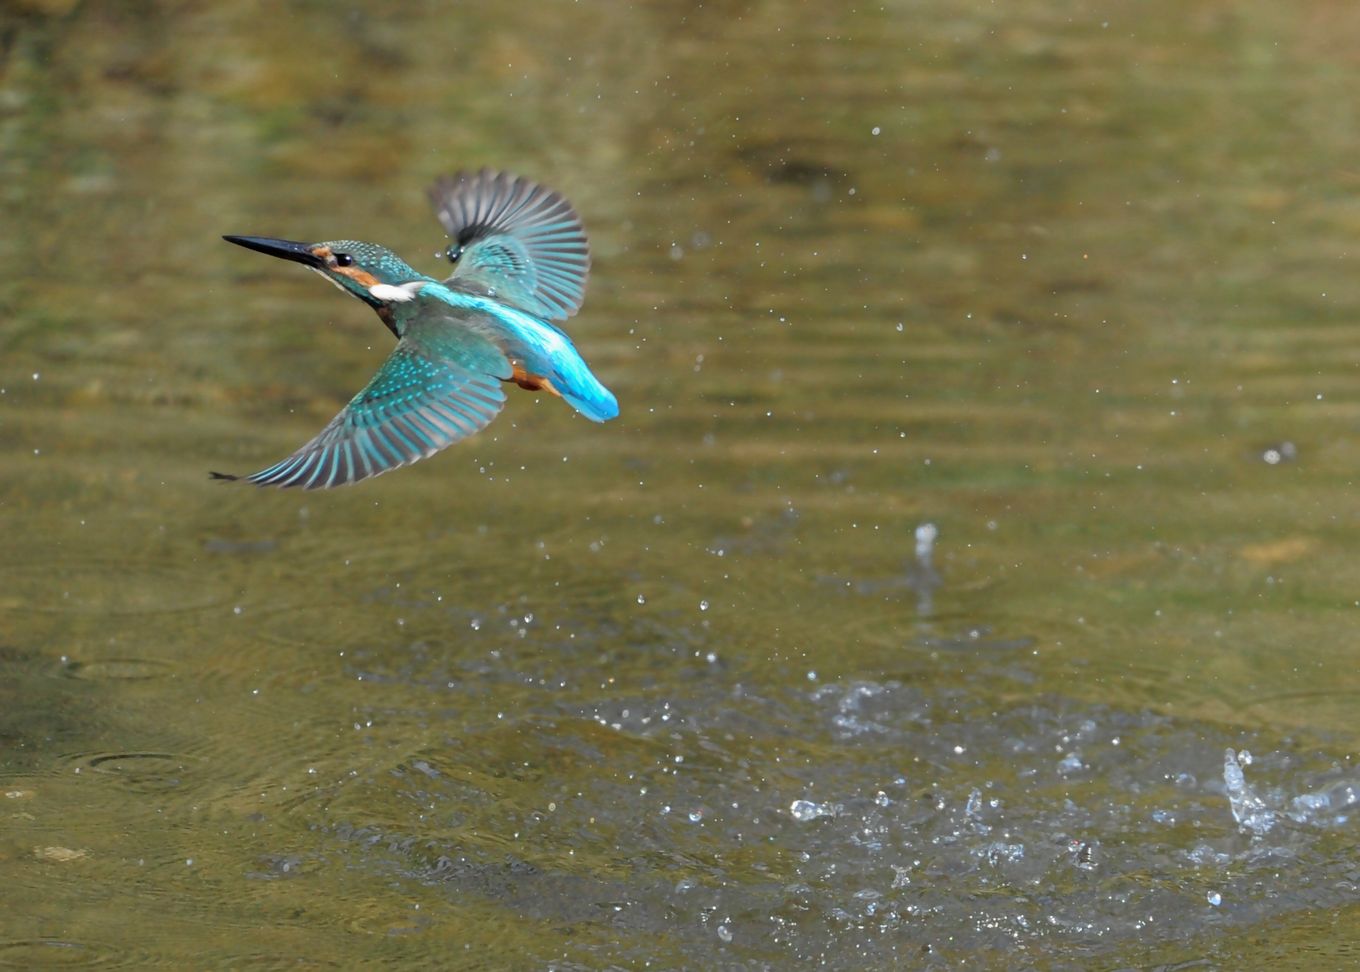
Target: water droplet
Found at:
x=805, y=810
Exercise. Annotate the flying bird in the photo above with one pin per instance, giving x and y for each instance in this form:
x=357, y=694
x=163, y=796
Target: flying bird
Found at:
x=520, y=261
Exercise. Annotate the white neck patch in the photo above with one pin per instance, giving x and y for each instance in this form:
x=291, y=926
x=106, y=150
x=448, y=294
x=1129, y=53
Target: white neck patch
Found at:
x=399, y=293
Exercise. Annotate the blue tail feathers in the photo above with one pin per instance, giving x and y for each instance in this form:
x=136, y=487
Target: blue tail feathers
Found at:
x=582, y=391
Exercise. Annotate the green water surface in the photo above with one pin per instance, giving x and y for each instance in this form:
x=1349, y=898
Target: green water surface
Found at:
x=1053, y=276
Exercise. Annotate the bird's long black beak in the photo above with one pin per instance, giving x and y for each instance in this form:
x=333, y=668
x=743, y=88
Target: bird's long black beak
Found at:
x=285, y=249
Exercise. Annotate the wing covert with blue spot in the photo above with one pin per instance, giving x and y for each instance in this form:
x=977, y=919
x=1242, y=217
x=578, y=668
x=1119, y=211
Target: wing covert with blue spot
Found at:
x=412, y=408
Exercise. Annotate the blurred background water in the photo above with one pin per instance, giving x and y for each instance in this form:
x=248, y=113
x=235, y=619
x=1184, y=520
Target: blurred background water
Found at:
x=969, y=578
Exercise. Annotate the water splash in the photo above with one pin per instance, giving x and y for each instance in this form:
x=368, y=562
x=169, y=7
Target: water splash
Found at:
x=1248, y=809
x=805, y=811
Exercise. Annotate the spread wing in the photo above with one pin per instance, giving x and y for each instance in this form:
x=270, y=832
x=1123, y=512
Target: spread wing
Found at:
x=513, y=239
x=437, y=387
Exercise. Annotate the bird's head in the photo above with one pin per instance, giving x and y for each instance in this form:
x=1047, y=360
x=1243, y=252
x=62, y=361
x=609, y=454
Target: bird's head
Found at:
x=372, y=273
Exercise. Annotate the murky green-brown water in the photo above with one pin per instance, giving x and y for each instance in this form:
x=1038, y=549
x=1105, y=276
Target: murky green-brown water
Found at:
x=678, y=691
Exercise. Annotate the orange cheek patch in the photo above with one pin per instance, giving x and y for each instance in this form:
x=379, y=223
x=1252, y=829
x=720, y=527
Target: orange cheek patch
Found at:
x=362, y=277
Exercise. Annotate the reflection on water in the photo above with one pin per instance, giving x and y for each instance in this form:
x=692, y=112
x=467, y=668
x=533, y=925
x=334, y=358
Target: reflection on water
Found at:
x=978, y=504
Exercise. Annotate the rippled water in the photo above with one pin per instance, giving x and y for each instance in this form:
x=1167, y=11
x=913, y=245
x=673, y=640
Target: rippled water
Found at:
x=968, y=579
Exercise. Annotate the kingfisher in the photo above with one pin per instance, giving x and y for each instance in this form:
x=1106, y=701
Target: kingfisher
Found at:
x=520, y=262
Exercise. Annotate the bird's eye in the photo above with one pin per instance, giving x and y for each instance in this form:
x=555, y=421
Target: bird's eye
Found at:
x=344, y=260
x=454, y=252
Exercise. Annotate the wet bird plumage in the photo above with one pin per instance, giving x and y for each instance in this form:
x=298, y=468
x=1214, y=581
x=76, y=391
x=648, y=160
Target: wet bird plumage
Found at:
x=520, y=261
